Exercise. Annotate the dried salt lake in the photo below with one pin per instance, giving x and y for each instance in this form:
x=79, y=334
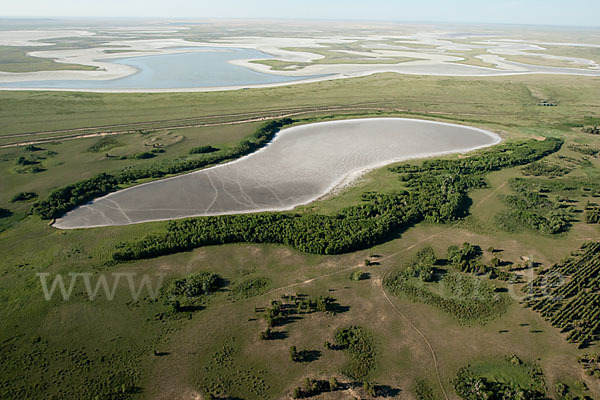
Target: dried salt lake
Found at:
x=300, y=165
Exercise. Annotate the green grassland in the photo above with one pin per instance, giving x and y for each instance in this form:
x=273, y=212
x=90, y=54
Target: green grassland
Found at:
x=216, y=347
x=15, y=59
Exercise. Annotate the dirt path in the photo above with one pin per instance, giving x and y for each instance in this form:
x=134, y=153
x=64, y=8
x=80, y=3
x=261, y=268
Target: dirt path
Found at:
x=172, y=125
x=385, y=272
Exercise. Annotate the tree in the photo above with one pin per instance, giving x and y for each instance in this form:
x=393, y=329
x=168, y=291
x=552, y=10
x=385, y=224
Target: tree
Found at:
x=333, y=384
x=356, y=275
x=426, y=256
x=370, y=389
x=293, y=354
x=297, y=393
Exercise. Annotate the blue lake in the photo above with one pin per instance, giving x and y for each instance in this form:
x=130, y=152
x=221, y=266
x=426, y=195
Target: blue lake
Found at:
x=191, y=69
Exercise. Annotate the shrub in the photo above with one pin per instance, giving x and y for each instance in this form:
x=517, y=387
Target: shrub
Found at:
x=23, y=196
x=203, y=150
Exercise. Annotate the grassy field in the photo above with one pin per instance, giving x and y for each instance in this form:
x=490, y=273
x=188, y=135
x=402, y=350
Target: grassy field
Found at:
x=217, y=347
x=14, y=59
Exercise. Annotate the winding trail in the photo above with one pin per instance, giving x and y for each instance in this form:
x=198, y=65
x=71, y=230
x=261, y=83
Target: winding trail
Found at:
x=382, y=287
x=80, y=133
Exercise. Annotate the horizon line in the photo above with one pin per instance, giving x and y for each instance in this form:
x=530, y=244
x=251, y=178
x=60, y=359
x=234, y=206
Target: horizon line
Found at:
x=314, y=19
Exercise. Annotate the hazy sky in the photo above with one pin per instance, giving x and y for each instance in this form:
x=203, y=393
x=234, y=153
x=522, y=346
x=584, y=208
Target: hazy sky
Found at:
x=547, y=12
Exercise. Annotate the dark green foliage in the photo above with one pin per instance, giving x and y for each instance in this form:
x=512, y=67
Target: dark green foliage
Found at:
x=203, y=150
x=568, y=295
x=360, y=345
x=592, y=215
x=472, y=387
x=104, y=144
x=250, y=288
x=465, y=258
x=5, y=212
x=194, y=285
x=591, y=364
x=312, y=387
x=437, y=192
x=544, y=168
x=426, y=256
x=466, y=298
x=23, y=196
x=144, y=155
x=24, y=161
x=584, y=149
x=353, y=228
x=423, y=265
x=575, y=185
x=423, y=391
x=594, y=130
x=68, y=197
x=533, y=210
x=31, y=147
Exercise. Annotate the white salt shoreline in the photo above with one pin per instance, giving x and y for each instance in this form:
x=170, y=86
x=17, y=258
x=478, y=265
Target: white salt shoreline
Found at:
x=424, y=64
x=73, y=219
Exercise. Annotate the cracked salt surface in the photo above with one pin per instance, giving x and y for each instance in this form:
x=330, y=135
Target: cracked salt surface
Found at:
x=302, y=164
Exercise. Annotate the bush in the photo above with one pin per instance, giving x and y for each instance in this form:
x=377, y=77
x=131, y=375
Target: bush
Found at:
x=104, y=144
x=250, y=288
x=143, y=156
x=359, y=344
x=194, y=285
x=203, y=150
x=4, y=212
x=23, y=196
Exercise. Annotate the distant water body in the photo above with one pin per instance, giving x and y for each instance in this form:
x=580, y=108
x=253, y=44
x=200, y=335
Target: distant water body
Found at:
x=209, y=67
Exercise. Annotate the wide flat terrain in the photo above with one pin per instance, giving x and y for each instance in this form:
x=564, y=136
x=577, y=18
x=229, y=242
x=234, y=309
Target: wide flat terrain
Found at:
x=46, y=346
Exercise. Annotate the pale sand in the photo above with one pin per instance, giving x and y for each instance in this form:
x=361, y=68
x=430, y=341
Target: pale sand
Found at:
x=301, y=164
x=433, y=62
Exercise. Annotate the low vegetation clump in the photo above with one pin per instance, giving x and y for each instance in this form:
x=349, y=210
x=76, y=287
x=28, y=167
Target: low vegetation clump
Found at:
x=584, y=149
x=357, y=275
x=471, y=385
x=544, y=168
x=423, y=391
x=143, y=155
x=567, y=295
x=23, y=196
x=423, y=265
x=203, y=150
x=4, y=212
x=314, y=387
x=360, y=345
x=592, y=215
x=594, y=130
x=68, y=197
x=104, y=144
x=185, y=294
x=194, y=285
x=573, y=185
x=466, y=298
x=533, y=210
x=436, y=191
x=250, y=288
x=591, y=364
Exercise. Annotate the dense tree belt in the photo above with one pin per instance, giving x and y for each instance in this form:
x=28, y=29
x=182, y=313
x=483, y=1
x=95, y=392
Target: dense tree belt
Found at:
x=68, y=197
x=436, y=191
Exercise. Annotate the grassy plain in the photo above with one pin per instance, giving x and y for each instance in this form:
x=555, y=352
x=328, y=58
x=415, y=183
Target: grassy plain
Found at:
x=17, y=60
x=190, y=354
